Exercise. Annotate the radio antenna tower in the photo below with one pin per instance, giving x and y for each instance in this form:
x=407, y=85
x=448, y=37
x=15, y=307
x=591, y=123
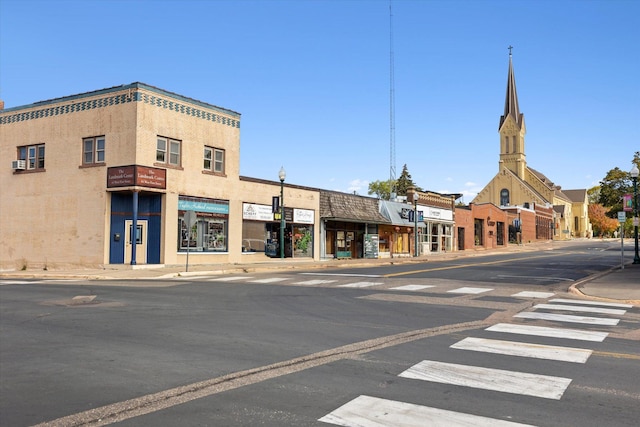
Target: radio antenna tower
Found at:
x=392, y=112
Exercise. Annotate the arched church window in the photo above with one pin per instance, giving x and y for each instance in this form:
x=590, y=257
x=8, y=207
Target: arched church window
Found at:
x=504, y=197
x=514, y=144
x=506, y=144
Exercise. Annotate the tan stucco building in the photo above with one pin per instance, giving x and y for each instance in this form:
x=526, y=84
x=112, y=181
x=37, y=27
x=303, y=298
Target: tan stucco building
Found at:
x=518, y=185
x=81, y=173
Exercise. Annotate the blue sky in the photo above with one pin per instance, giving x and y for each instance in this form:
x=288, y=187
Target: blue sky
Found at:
x=311, y=79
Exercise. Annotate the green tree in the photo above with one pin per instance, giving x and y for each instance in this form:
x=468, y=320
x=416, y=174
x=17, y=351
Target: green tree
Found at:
x=382, y=189
x=404, y=182
x=593, y=194
x=616, y=184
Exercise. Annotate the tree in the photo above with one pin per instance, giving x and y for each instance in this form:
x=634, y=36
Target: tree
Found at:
x=382, y=189
x=602, y=224
x=593, y=194
x=616, y=184
x=404, y=182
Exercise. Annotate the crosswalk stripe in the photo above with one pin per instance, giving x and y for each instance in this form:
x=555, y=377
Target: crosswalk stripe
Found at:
x=342, y=274
x=269, y=280
x=581, y=302
x=469, y=290
x=533, y=294
x=568, y=318
x=543, y=331
x=314, y=282
x=15, y=282
x=367, y=411
x=544, y=386
x=521, y=349
x=564, y=307
x=231, y=279
x=412, y=287
x=360, y=284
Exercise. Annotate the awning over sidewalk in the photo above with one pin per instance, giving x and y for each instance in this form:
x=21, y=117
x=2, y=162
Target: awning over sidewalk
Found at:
x=398, y=213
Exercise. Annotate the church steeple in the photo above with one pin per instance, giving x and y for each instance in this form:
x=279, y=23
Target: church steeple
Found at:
x=511, y=101
x=512, y=128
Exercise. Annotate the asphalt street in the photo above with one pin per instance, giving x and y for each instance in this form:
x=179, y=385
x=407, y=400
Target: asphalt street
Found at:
x=496, y=340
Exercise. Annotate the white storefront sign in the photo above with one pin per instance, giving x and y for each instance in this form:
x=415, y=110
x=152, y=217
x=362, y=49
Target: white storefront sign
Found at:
x=257, y=212
x=436, y=213
x=303, y=216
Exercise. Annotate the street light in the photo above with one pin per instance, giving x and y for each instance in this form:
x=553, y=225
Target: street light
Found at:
x=634, y=176
x=416, y=196
x=282, y=175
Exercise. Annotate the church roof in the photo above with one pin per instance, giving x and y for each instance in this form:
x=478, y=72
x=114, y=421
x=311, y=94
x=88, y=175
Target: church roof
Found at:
x=511, y=107
x=557, y=190
x=576, y=195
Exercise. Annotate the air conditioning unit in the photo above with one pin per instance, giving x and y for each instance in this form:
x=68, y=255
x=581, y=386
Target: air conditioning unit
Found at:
x=18, y=165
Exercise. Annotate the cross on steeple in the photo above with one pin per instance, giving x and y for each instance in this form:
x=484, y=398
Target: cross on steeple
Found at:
x=510, y=47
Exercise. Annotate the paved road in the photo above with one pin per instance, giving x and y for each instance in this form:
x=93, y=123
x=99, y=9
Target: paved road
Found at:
x=338, y=346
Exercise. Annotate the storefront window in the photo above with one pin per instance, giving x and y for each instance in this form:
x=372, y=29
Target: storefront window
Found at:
x=210, y=232
x=207, y=234
x=303, y=241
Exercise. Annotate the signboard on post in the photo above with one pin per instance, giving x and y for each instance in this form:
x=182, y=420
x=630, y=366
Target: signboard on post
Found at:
x=622, y=217
x=190, y=219
x=627, y=203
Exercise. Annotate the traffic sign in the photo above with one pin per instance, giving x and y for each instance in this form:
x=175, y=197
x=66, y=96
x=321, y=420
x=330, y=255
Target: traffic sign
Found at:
x=622, y=216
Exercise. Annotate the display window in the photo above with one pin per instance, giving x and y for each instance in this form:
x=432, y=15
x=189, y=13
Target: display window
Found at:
x=210, y=230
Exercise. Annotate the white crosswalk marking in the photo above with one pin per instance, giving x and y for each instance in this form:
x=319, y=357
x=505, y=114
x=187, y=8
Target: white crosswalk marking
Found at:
x=314, y=282
x=604, y=304
x=14, y=282
x=231, y=279
x=543, y=331
x=269, y=280
x=565, y=307
x=367, y=411
x=568, y=318
x=412, y=287
x=469, y=290
x=521, y=349
x=532, y=294
x=361, y=284
x=342, y=274
x=544, y=386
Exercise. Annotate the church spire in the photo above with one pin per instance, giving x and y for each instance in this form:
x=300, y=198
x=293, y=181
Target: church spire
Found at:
x=511, y=101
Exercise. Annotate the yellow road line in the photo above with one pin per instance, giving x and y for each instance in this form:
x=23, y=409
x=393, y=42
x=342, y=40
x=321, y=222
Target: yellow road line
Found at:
x=617, y=355
x=452, y=267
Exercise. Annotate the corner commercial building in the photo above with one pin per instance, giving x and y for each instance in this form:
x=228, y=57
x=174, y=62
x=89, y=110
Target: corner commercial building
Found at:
x=85, y=176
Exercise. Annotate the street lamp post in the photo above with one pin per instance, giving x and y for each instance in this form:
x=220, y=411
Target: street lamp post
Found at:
x=282, y=175
x=416, y=196
x=634, y=176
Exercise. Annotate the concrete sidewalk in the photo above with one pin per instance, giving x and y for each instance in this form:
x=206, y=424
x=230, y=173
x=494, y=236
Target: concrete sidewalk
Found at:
x=621, y=285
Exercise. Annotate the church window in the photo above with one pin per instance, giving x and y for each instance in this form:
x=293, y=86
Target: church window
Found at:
x=506, y=144
x=504, y=197
x=514, y=143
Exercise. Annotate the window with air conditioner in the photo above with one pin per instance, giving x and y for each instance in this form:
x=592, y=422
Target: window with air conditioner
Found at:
x=32, y=156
